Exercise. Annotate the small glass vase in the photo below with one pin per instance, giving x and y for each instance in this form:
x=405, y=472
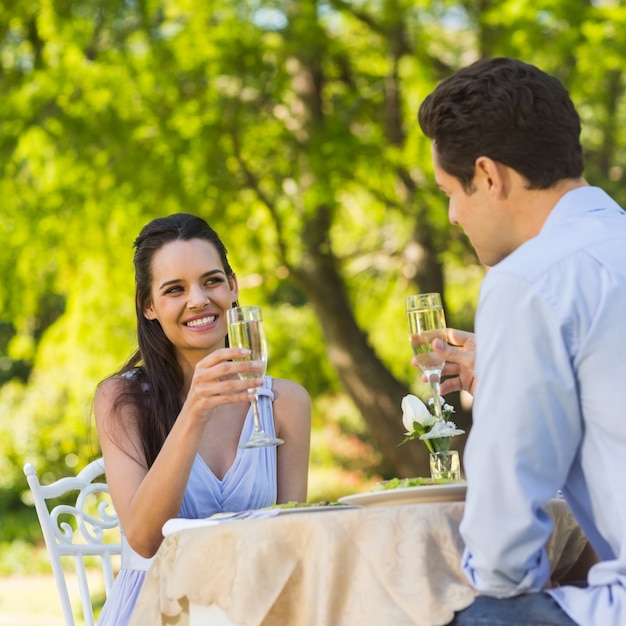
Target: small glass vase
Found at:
x=445, y=465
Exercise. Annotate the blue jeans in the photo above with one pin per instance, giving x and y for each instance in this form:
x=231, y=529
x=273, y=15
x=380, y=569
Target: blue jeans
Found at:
x=533, y=609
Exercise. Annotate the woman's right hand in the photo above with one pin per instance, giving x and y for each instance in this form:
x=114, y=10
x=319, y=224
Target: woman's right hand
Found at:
x=460, y=357
x=216, y=380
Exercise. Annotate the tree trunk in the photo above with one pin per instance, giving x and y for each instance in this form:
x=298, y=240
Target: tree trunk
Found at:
x=373, y=389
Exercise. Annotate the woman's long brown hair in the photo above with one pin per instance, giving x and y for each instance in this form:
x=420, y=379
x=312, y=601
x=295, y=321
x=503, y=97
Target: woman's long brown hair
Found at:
x=154, y=378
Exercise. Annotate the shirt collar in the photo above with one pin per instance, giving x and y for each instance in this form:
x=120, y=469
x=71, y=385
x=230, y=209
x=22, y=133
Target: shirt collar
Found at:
x=578, y=202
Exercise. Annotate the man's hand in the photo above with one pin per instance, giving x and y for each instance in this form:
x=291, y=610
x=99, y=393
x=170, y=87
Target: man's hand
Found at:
x=460, y=356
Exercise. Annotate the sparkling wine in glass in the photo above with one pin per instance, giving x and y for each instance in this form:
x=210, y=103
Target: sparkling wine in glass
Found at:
x=245, y=330
x=426, y=323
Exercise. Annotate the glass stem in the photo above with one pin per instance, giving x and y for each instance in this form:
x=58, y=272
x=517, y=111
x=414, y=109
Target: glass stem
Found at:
x=255, y=412
x=433, y=380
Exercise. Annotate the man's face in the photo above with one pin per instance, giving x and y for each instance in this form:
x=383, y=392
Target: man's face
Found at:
x=476, y=212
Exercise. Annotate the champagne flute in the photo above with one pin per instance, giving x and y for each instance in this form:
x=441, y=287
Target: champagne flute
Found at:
x=245, y=330
x=426, y=323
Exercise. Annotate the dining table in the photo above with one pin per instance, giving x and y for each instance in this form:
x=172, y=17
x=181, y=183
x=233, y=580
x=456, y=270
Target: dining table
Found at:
x=375, y=562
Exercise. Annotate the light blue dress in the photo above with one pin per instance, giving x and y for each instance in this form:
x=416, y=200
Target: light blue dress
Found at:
x=250, y=483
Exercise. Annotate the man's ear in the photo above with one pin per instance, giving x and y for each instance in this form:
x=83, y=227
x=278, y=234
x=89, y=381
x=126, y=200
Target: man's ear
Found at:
x=489, y=173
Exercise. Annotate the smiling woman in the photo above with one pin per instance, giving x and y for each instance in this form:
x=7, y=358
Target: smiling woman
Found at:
x=170, y=421
x=189, y=301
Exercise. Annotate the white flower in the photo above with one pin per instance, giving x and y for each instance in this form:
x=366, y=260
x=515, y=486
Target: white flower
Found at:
x=442, y=429
x=414, y=410
x=445, y=407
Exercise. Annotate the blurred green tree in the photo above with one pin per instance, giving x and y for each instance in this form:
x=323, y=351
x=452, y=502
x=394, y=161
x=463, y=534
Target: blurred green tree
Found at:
x=290, y=126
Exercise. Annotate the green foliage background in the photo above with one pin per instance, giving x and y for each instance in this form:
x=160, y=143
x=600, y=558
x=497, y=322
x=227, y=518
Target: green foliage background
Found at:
x=117, y=111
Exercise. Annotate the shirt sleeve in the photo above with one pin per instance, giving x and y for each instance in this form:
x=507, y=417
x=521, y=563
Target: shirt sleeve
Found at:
x=524, y=435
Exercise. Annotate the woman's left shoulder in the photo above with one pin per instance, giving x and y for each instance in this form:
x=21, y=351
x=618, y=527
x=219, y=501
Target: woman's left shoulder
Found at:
x=289, y=390
x=292, y=411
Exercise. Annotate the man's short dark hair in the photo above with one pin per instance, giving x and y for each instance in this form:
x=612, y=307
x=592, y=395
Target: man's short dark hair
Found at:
x=509, y=111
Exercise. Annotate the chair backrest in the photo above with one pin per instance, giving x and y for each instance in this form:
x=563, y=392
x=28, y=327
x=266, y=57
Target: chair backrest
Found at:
x=82, y=529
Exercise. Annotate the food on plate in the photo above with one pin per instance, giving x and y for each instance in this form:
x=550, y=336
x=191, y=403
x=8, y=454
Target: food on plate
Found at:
x=294, y=505
x=399, y=483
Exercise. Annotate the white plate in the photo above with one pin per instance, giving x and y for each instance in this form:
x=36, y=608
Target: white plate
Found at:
x=312, y=509
x=450, y=492
x=178, y=524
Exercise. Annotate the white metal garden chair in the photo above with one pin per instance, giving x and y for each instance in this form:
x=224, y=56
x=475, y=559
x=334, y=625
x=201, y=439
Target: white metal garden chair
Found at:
x=82, y=529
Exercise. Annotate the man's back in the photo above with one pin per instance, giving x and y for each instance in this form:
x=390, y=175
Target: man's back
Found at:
x=552, y=338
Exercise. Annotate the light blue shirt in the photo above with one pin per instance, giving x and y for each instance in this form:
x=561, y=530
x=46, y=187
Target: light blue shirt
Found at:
x=550, y=409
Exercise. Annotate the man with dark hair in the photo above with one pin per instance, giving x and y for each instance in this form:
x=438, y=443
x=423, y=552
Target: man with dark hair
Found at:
x=551, y=340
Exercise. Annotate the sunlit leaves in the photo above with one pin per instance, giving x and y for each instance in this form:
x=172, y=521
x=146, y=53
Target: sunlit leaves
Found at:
x=264, y=117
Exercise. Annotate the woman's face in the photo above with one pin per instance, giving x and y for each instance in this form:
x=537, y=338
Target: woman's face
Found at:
x=190, y=295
